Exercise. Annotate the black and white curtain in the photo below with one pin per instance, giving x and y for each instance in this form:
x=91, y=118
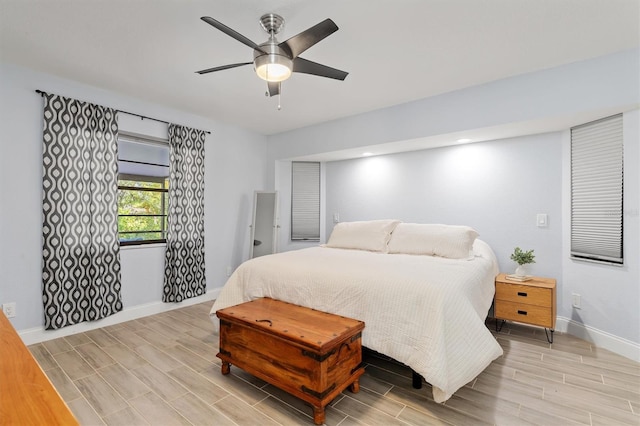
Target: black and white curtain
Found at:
x=80, y=247
x=184, y=256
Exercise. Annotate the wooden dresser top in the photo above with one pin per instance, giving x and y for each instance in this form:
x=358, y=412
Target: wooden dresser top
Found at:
x=27, y=397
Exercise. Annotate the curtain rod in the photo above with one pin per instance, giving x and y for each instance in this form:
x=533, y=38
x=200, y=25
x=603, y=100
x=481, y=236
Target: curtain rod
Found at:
x=142, y=117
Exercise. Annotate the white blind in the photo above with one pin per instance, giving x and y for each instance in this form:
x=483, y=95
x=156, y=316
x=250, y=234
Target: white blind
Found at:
x=305, y=200
x=142, y=158
x=596, y=190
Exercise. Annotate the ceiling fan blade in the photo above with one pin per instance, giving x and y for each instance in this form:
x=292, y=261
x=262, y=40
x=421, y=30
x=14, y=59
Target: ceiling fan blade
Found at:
x=231, y=33
x=308, y=67
x=273, y=88
x=301, y=42
x=223, y=67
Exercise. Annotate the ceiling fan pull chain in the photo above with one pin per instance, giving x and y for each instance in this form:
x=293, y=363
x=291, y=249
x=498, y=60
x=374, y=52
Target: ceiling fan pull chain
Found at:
x=279, y=97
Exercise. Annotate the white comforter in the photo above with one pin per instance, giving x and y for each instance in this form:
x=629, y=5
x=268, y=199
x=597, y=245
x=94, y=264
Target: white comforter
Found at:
x=426, y=312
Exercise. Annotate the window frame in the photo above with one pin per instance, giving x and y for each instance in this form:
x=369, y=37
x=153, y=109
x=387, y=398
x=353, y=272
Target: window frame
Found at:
x=163, y=190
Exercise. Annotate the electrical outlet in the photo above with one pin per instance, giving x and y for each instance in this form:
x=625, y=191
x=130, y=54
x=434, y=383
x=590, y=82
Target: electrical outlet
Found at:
x=575, y=301
x=9, y=309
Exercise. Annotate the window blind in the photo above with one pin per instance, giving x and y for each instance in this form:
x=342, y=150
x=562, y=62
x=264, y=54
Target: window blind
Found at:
x=142, y=158
x=305, y=200
x=596, y=190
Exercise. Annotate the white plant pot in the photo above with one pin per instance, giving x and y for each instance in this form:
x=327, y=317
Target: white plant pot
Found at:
x=522, y=270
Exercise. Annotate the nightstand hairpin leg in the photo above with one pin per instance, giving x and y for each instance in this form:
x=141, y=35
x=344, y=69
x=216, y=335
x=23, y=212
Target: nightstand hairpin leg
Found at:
x=549, y=335
x=499, y=328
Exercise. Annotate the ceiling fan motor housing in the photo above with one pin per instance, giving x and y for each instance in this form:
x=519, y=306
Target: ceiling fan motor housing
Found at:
x=275, y=65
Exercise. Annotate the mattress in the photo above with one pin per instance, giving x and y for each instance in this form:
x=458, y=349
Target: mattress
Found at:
x=427, y=312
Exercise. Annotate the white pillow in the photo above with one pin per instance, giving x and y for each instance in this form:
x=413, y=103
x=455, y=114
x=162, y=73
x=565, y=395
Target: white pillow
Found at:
x=454, y=242
x=372, y=235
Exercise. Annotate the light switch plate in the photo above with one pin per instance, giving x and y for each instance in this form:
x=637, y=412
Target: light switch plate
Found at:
x=541, y=220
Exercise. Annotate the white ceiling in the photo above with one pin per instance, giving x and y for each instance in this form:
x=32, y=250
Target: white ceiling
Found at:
x=395, y=51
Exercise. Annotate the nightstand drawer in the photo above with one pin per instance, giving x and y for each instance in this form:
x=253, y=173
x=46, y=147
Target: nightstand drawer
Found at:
x=523, y=294
x=531, y=314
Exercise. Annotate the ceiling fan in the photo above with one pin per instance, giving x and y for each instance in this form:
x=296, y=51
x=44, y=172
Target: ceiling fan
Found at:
x=275, y=61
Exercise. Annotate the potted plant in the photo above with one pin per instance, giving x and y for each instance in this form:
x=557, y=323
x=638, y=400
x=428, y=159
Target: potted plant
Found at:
x=522, y=258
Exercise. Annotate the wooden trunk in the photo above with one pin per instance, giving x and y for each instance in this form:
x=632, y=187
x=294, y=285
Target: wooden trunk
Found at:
x=312, y=355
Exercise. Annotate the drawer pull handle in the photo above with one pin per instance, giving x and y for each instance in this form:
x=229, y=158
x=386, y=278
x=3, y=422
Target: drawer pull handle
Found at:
x=266, y=320
x=522, y=312
x=522, y=293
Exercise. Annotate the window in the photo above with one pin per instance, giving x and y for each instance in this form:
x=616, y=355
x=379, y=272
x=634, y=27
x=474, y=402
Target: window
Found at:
x=143, y=182
x=596, y=190
x=305, y=201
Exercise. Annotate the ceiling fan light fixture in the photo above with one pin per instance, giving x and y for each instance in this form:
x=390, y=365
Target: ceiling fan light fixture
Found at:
x=273, y=68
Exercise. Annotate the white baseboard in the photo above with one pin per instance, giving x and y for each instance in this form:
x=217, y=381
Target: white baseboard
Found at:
x=600, y=338
x=39, y=334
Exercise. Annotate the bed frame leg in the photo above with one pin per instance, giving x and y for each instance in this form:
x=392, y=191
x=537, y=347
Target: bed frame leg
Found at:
x=416, y=380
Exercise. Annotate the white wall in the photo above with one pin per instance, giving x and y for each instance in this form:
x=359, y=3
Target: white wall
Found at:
x=592, y=88
x=610, y=295
x=495, y=187
x=234, y=168
x=506, y=183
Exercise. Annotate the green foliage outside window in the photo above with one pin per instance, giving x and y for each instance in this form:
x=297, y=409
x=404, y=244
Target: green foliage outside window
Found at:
x=142, y=209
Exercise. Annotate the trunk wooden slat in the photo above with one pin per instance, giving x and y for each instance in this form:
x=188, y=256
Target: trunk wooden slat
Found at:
x=312, y=355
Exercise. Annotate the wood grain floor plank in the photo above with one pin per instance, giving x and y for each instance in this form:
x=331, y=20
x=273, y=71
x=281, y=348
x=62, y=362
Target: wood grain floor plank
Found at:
x=123, y=381
x=102, y=397
x=101, y=337
x=94, y=355
x=157, y=357
x=156, y=411
x=84, y=412
x=128, y=337
x=433, y=409
x=127, y=416
x=77, y=339
x=188, y=358
x=155, y=338
x=125, y=356
x=198, y=385
x=198, y=412
x=386, y=405
x=418, y=418
x=287, y=415
x=366, y=413
x=536, y=417
x=73, y=364
x=57, y=346
x=65, y=387
x=43, y=356
x=242, y=413
x=489, y=410
x=232, y=383
x=606, y=389
x=161, y=384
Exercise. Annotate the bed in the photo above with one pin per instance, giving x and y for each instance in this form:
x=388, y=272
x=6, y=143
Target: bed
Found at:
x=422, y=292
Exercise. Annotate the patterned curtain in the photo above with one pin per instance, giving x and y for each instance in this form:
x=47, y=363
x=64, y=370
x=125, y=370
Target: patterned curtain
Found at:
x=80, y=247
x=184, y=257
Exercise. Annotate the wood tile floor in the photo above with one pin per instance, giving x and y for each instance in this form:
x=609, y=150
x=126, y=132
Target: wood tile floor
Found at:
x=162, y=370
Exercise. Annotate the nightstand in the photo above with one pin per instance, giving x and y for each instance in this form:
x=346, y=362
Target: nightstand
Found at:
x=530, y=302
